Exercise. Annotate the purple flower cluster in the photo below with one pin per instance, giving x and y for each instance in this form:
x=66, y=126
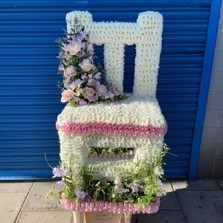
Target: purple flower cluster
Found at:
x=120, y=190
x=82, y=195
x=81, y=78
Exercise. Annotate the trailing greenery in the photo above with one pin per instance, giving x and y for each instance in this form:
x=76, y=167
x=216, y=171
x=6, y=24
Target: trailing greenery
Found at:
x=140, y=185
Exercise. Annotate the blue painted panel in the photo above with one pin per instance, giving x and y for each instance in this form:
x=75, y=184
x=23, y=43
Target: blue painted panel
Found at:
x=30, y=99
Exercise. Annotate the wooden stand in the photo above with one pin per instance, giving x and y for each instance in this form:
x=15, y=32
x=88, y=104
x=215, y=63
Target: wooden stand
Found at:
x=100, y=217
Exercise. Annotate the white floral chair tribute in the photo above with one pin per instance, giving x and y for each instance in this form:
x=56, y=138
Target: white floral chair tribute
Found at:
x=136, y=122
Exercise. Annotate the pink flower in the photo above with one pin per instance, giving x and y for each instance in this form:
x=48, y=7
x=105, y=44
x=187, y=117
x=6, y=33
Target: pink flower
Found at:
x=70, y=71
x=86, y=65
x=89, y=93
x=101, y=90
x=73, y=47
x=67, y=95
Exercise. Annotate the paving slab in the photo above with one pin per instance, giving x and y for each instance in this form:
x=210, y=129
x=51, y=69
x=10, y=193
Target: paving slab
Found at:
x=15, y=187
x=45, y=217
x=163, y=216
x=199, y=185
x=220, y=182
x=10, y=204
x=202, y=206
x=36, y=199
x=169, y=201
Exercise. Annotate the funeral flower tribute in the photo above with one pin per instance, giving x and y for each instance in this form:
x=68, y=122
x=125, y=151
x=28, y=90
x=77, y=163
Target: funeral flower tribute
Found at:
x=112, y=153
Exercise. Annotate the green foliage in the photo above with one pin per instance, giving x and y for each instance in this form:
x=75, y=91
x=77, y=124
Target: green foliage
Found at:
x=139, y=185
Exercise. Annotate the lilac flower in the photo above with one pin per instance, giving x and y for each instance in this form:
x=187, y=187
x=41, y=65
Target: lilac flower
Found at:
x=82, y=102
x=63, y=55
x=61, y=67
x=80, y=194
x=73, y=47
x=115, y=91
x=97, y=76
x=87, y=197
x=120, y=190
x=60, y=184
x=57, y=172
x=92, y=82
x=76, y=83
x=83, y=77
x=67, y=83
x=80, y=36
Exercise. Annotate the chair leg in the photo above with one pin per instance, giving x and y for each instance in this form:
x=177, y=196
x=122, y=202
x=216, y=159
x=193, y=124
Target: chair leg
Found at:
x=78, y=217
x=102, y=217
x=128, y=218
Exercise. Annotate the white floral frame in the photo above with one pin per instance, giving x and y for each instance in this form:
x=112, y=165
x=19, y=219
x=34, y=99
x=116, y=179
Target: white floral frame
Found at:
x=145, y=34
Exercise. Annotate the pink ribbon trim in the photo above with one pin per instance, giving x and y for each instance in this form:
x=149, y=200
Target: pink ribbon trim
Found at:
x=101, y=128
x=100, y=206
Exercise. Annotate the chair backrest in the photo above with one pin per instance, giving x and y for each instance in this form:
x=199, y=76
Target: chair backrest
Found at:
x=146, y=34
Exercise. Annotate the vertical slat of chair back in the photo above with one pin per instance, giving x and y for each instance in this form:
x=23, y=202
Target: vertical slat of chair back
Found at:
x=146, y=34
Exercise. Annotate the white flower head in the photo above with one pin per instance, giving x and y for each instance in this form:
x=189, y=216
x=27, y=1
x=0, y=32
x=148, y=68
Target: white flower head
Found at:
x=158, y=171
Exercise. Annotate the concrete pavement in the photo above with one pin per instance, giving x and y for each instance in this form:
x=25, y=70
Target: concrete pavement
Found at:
x=186, y=202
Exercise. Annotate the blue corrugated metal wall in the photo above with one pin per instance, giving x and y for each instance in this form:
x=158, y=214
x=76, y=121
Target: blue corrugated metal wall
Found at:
x=30, y=99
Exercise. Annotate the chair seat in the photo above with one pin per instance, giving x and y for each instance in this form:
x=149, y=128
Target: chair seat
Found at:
x=137, y=117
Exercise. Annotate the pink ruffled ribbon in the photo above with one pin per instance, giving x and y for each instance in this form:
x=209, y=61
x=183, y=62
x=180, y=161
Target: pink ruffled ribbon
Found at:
x=111, y=129
x=108, y=207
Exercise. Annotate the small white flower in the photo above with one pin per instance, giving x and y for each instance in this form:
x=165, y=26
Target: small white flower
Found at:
x=158, y=171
